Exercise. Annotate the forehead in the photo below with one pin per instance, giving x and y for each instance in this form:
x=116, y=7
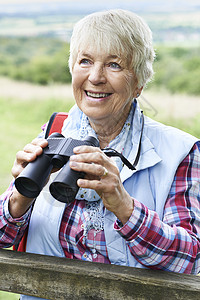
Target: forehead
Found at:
x=98, y=43
x=91, y=53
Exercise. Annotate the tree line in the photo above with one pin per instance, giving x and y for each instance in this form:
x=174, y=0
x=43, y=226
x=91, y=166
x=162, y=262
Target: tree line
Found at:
x=44, y=60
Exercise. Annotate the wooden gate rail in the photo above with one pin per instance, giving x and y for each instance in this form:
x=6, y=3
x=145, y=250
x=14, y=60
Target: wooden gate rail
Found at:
x=61, y=278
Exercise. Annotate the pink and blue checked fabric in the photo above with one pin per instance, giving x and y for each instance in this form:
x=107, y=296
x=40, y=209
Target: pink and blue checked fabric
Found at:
x=172, y=244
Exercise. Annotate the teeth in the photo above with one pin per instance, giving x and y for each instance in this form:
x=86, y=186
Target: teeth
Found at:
x=98, y=95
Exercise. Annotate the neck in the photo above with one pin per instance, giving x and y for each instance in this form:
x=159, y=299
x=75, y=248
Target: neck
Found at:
x=107, y=130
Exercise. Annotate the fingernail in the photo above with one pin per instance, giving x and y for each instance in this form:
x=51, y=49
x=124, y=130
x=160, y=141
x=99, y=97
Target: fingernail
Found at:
x=77, y=149
x=73, y=164
x=73, y=157
x=81, y=182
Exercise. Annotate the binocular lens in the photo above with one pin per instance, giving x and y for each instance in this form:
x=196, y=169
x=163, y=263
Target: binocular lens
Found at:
x=27, y=187
x=63, y=192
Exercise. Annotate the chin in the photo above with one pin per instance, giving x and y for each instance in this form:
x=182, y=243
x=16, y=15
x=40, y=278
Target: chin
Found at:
x=95, y=114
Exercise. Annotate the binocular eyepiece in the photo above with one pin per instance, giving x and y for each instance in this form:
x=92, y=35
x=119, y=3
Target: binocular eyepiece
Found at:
x=35, y=175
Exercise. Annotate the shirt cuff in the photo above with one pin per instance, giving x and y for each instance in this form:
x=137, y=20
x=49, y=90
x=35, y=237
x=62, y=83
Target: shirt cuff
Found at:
x=15, y=221
x=134, y=225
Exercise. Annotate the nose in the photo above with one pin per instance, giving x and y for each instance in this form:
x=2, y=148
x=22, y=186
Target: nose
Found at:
x=97, y=74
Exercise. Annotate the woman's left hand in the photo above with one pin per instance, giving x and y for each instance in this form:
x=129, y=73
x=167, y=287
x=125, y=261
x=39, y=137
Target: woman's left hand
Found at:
x=102, y=175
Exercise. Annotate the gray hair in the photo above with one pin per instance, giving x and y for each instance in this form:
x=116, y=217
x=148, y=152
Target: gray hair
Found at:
x=120, y=32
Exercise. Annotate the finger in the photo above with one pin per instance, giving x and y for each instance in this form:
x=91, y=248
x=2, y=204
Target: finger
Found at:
x=23, y=156
x=21, y=161
x=36, y=143
x=90, y=155
x=109, y=186
x=29, y=153
x=93, y=163
x=86, y=149
x=91, y=184
x=40, y=142
x=93, y=169
x=16, y=170
x=33, y=149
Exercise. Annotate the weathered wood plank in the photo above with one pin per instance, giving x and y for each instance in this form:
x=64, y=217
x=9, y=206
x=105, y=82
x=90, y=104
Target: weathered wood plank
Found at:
x=60, y=278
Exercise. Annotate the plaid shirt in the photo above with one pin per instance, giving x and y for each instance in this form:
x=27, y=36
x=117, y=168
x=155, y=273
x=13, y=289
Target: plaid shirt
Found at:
x=172, y=244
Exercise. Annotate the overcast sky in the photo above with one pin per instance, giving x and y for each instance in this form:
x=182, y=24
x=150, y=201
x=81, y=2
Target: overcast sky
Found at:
x=30, y=1
x=40, y=1
x=148, y=5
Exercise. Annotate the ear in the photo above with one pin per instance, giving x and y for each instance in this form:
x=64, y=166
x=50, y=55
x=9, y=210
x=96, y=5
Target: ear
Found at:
x=138, y=92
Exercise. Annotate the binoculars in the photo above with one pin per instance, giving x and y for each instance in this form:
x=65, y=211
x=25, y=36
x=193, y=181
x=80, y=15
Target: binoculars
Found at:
x=35, y=175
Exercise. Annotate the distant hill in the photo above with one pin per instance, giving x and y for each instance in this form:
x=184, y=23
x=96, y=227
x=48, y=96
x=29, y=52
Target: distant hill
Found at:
x=171, y=21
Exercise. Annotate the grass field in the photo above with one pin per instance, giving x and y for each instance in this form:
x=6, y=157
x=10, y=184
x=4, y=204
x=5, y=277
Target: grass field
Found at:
x=25, y=108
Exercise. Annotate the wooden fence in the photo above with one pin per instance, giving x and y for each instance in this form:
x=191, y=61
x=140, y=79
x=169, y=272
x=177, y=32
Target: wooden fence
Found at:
x=61, y=278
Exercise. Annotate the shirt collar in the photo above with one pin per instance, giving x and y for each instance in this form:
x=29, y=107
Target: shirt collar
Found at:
x=148, y=155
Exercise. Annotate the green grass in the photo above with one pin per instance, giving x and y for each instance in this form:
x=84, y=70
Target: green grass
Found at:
x=190, y=125
x=8, y=296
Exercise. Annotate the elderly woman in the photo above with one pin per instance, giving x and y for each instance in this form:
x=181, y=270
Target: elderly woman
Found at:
x=147, y=217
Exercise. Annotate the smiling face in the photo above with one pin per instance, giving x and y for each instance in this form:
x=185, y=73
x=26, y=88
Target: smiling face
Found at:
x=103, y=86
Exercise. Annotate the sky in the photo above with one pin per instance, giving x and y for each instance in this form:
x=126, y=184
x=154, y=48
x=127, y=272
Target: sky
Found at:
x=40, y=1
x=30, y=1
x=142, y=5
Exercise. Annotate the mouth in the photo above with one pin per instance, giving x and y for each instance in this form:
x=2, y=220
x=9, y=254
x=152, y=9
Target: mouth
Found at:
x=97, y=95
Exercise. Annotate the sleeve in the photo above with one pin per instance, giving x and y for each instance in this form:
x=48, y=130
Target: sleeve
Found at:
x=172, y=244
x=11, y=230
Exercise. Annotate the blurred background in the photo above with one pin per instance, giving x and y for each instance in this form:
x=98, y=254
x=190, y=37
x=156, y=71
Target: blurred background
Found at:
x=35, y=79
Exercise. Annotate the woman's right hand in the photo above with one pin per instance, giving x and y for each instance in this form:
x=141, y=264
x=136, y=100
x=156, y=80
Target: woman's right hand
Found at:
x=29, y=153
x=19, y=204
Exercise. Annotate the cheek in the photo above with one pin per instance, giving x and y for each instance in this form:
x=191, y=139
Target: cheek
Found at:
x=76, y=86
x=125, y=88
x=76, y=90
x=77, y=77
x=130, y=84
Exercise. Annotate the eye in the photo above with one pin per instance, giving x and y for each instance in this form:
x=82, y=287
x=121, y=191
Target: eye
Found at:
x=85, y=61
x=114, y=65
